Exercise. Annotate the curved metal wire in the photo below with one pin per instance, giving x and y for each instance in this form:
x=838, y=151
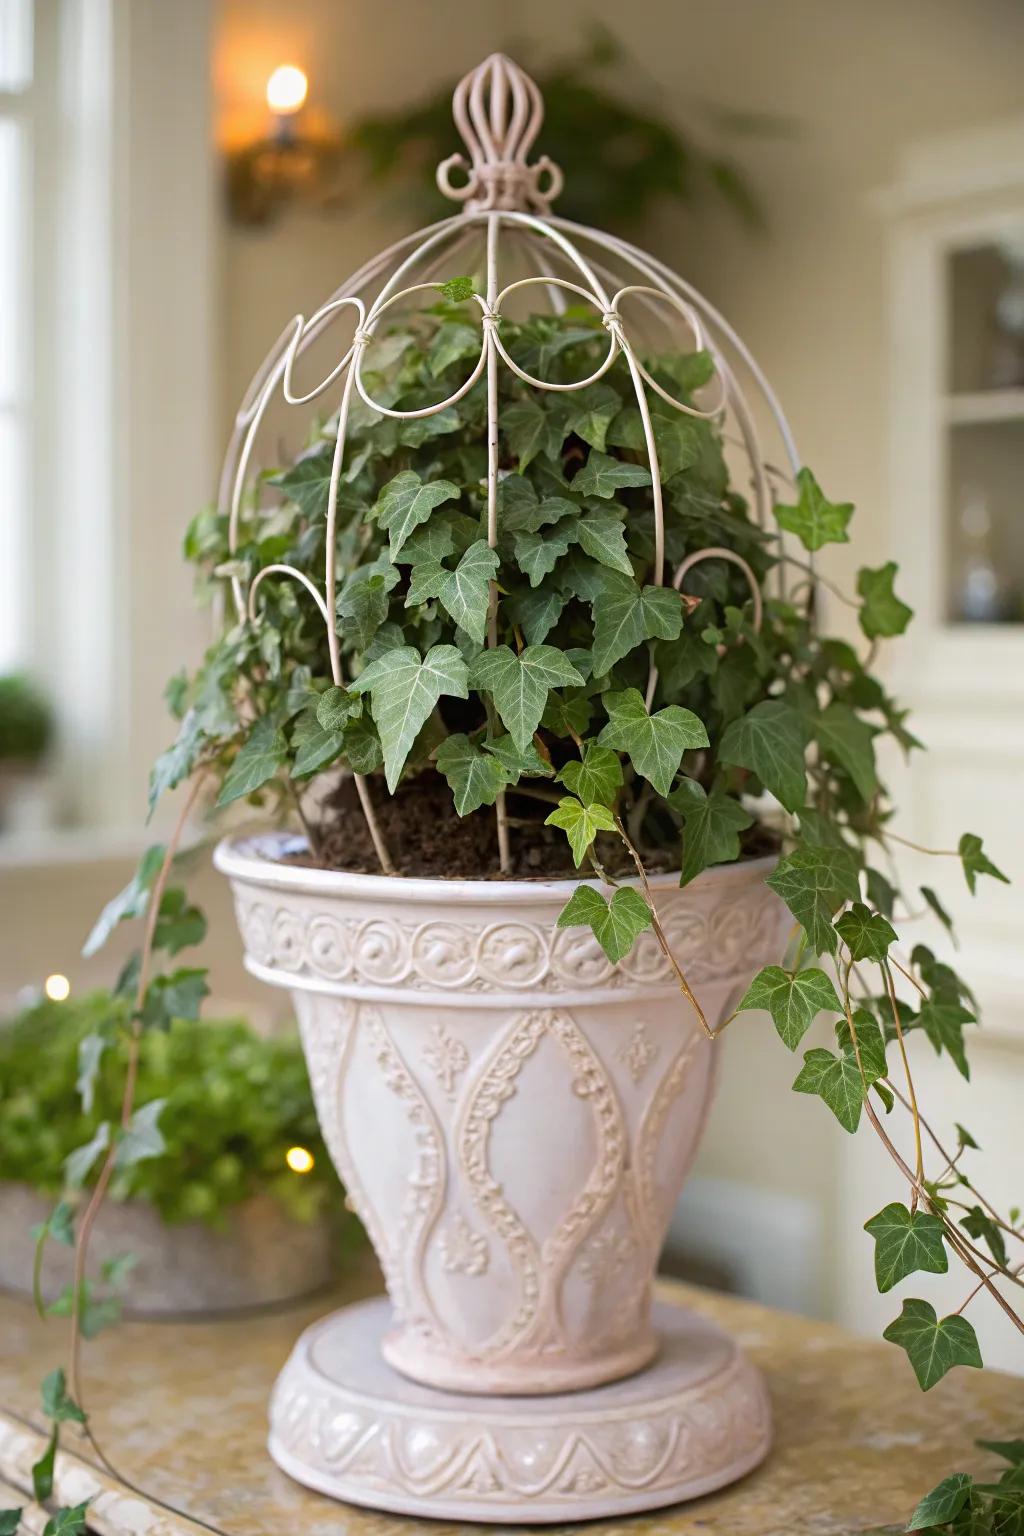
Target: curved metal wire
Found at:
x=499, y=111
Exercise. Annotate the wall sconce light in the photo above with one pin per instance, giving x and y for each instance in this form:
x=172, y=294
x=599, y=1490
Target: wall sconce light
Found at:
x=289, y=163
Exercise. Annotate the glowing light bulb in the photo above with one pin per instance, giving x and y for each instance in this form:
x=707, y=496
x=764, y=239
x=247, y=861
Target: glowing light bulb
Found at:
x=286, y=90
x=299, y=1160
x=57, y=988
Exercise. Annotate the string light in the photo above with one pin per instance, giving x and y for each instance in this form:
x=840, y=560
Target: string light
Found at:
x=286, y=90
x=299, y=1160
x=57, y=988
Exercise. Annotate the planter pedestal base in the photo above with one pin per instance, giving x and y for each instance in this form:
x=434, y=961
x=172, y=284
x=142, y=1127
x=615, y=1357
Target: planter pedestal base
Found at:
x=343, y=1422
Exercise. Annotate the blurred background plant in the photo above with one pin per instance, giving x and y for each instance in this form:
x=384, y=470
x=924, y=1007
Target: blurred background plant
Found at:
x=26, y=721
x=237, y=1118
x=620, y=160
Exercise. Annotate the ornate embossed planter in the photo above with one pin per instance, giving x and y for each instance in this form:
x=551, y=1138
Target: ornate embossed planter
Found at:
x=512, y=1115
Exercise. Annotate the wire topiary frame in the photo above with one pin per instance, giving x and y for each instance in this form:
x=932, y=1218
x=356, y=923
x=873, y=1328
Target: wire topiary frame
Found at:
x=505, y=203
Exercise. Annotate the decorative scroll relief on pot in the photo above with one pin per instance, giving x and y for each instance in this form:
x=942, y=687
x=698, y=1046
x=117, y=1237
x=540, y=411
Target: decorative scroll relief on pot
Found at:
x=292, y=934
x=515, y=1169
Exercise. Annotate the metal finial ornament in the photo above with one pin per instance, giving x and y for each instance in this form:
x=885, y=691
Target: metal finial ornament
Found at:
x=498, y=111
x=503, y=229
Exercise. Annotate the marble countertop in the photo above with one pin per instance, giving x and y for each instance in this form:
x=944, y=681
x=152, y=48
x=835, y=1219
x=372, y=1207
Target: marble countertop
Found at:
x=181, y=1409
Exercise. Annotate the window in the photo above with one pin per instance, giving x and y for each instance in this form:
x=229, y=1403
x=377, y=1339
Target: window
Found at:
x=15, y=313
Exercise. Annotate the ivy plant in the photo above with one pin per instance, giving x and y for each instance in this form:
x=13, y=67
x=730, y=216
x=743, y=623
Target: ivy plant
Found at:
x=560, y=707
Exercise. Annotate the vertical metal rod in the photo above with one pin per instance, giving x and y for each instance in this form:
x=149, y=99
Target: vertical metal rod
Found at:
x=493, y=225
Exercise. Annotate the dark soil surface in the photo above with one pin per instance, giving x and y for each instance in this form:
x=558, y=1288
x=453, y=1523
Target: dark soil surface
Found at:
x=427, y=839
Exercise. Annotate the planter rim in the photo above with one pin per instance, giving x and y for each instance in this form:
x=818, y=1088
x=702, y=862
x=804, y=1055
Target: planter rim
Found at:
x=257, y=857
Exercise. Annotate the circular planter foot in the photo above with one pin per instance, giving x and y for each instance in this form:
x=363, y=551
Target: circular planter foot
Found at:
x=343, y=1422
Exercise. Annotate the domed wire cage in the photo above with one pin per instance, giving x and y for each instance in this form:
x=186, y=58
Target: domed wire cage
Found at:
x=533, y=262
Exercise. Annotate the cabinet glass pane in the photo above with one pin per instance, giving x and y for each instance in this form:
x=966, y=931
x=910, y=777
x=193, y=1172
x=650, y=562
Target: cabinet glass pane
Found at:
x=986, y=522
x=986, y=316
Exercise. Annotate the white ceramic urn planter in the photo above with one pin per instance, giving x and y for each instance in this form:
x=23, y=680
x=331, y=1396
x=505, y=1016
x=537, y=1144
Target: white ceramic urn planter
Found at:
x=514, y=1117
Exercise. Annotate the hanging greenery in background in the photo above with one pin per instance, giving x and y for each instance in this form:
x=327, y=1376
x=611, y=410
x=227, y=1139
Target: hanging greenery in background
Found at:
x=621, y=161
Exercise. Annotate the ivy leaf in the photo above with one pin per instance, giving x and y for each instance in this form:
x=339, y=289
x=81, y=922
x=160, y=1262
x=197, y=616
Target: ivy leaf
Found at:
x=519, y=684
x=178, y=995
x=364, y=601
x=849, y=741
x=711, y=827
x=129, y=903
x=1007, y=1450
x=866, y=934
x=313, y=746
x=405, y=502
x=979, y=1224
x=580, y=823
x=403, y=689
x=976, y=862
x=770, y=740
x=531, y=429
x=68, y=1521
x=943, y=1504
x=42, y=1470
x=142, y=1137
x=615, y=924
x=933, y=1346
x=464, y=592
x=870, y=1044
x=655, y=743
x=793, y=1001
x=10, y=1521
x=603, y=476
x=362, y=746
x=457, y=289
x=943, y=916
x=837, y=1080
x=942, y=1018
x=591, y=412
x=179, y=924
x=602, y=536
x=57, y=1404
x=60, y=1225
x=566, y=716
x=78, y=1164
x=179, y=760
x=813, y=882
x=259, y=760
x=474, y=776
x=335, y=707
x=882, y=614
x=906, y=1241
x=90, y=1053
x=625, y=615
x=597, y=777
x=537, y=554
x=536, y=611
x=308, y=483
x=519, y=761
x=452, y=340
x=814, y=519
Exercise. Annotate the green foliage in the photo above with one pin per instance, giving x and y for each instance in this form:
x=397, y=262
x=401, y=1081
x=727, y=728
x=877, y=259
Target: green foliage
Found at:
x=621, y=158
x=615, y=923
x=933, y=1345
x=225, y=1103
x=531, y=652
x=793, y=1000
x=26, y=720
x=906, y=1241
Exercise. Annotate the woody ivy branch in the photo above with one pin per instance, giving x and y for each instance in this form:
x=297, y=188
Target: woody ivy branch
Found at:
x=555, y=725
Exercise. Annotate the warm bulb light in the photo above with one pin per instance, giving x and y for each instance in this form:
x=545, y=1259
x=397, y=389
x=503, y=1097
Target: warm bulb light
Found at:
x=286, y=90
x=299, y=1160
x=57, y=988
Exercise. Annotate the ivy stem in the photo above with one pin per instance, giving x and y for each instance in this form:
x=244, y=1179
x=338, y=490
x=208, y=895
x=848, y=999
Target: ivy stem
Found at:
x=918, y=1145
x=659, y=934
x=131, y=1076
x=905, y=842
x=962, y=1308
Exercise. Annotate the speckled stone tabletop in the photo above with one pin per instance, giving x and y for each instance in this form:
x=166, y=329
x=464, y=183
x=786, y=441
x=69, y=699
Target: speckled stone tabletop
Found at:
x=181, y=1408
